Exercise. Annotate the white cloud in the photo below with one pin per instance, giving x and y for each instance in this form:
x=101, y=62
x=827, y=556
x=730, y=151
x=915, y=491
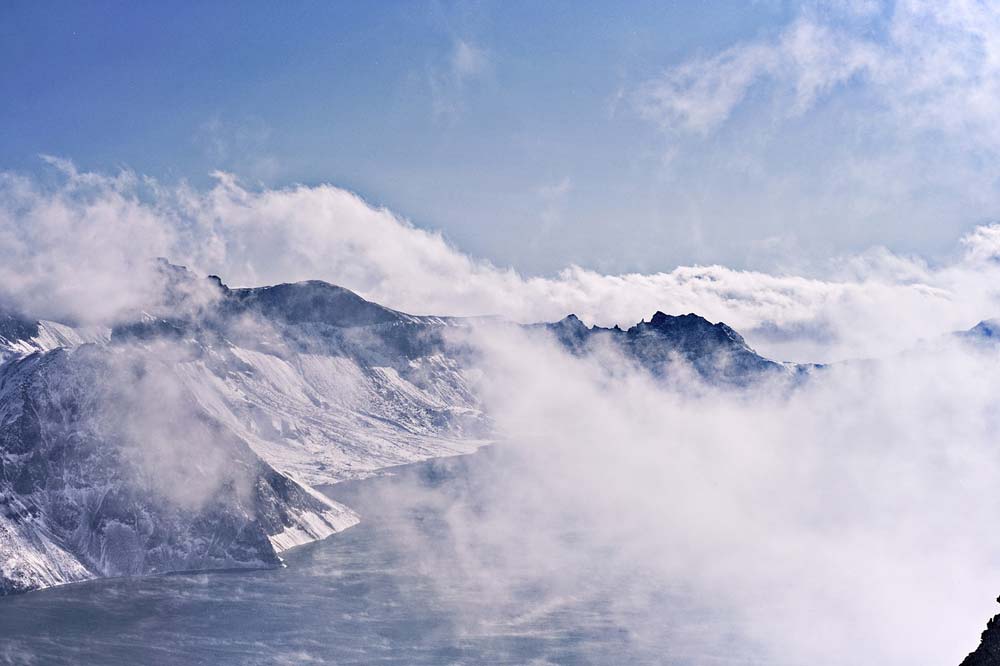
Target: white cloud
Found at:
x=841, y=129
x=841, y=524
x=806, y=61
x=983, y=244
x=698, y=95
x=80, y=249
x=229, y=142
x=468, y=60
x=856, y=506
x=466, y=63
x=935, y=66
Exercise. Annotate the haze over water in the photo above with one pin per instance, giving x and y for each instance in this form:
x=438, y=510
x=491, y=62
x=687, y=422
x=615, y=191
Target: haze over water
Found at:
x=359, y=597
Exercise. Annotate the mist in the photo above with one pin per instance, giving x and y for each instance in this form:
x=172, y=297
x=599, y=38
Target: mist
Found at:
x=78, y=246
x=843, y=522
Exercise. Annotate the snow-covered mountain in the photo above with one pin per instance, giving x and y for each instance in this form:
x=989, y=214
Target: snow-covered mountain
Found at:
x=108, y=467
x=187, y=437
x=319, y=381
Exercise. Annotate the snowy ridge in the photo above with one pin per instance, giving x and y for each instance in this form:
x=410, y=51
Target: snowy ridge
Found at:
x=19, y=337
x=309, y=526
x=187, y=437
x=328, y=418
x=98, y=479
x=30, y=560
x=52, y=335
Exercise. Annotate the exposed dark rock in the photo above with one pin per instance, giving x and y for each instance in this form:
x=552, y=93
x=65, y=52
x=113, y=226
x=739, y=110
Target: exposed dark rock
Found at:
x=988, y=652
x=715, y=351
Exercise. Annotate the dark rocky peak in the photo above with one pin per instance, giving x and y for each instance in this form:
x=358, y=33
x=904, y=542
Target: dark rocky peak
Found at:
x=219, y=284
x=313, y=301
x=570, y=332
x=717, y=352
x=570, y=323
x=689, y=332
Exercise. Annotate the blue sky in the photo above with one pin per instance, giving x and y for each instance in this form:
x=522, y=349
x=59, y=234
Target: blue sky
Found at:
x=617, y=136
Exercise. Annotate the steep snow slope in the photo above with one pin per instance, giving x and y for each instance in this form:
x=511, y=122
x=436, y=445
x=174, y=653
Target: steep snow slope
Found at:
x=328, y=417
x=109, y=468
x=320, y=382
x=185, y=439
x=19, y=336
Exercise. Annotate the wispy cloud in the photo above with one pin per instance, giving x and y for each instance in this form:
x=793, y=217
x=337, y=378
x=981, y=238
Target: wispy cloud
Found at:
x=449, y=81
x=857, y=504
x=80, y=248
x=841, y=524
x=845, y=127
x=241, y=144
x=467, y=60
x=932, y=65
x=553, y=198
x=806, y=61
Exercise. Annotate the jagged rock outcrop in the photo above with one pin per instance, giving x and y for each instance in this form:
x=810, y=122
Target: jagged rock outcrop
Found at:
x=716, y=352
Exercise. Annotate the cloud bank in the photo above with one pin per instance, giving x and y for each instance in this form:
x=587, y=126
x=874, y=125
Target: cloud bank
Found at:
x=842, y=524
x=78, y=246
x=824, y=527
x=932, y=66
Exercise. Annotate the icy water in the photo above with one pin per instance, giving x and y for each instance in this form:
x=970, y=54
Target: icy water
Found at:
x=360, y=597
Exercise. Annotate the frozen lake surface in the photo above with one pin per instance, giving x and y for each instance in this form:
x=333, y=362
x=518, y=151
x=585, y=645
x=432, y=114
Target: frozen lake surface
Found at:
x=365, y=596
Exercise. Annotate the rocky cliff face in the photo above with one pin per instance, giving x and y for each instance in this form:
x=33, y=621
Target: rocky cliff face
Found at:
x=988, y=652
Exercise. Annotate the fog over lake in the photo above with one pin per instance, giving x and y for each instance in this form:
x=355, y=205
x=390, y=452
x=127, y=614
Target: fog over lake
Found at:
x=363, y=596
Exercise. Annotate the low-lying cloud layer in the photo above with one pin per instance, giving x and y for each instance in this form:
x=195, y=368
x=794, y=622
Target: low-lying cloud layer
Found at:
x=833, y=525
x=845, y=523
x=77, y=245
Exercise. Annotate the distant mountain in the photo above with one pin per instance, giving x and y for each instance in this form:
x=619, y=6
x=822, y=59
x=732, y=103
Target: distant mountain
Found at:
x=184, y=438
x=318, y=380
x=187, y=436
x=716, y=352
x=986, y=331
